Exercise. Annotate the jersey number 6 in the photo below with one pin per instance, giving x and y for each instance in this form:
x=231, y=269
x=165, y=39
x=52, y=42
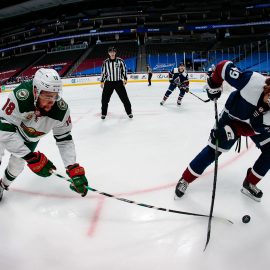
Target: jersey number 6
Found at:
x=234, y=73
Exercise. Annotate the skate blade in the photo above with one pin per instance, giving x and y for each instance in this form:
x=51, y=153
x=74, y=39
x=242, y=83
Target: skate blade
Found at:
x=176, y=198
x=247, y=193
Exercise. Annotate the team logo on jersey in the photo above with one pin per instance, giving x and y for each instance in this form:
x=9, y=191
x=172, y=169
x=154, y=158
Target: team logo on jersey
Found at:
x=62, y=105
x=29, y=116
x=22, y=94
x=31, y=132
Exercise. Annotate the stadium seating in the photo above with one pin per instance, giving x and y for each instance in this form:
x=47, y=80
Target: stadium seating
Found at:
x=12, y=66
x=60, y=61
x=92, y=64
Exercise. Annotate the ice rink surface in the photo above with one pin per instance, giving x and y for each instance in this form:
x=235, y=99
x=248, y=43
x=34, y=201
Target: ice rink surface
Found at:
x=44, y=225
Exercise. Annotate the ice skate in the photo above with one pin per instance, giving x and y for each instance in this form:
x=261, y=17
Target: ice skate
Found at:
x=162, y=102
x=251, y=190
x=180, y=189
x=2, y=188
x=1, y=193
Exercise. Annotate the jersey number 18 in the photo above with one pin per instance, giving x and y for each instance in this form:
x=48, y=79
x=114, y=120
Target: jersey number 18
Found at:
x=9, y=107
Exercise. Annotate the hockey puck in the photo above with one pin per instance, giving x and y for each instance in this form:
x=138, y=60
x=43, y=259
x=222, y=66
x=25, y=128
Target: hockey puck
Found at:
x=246, y=219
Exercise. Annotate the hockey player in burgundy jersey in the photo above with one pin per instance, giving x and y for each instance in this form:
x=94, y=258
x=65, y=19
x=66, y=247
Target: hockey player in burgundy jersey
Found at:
x=246, y=113
x=31, y=111
x=178, y=77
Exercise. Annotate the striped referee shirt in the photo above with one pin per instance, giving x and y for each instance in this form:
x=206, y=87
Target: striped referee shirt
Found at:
x=113, y=70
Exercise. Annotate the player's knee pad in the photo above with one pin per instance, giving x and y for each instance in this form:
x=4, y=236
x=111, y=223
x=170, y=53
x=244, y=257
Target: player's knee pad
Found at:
x=203, y=160
x=266, y=150
x=2, y=151
x=171, y=87
x=15, y=165
x=168, y=92
x=262, y=164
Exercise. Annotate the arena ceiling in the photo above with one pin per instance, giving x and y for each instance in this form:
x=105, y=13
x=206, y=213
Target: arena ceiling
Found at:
x=18, y=7
x=17, y=12
x=13, y=8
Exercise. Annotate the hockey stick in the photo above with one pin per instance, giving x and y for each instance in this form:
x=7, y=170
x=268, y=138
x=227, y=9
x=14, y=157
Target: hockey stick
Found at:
x=214, y=183
x=204, y=100
x=143, y=204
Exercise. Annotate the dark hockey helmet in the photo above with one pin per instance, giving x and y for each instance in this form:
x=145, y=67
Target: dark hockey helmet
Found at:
x=181, y=67
x=112, y=49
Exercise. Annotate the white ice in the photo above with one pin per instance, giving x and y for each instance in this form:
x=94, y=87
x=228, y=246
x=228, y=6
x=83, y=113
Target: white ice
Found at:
x=44, y=225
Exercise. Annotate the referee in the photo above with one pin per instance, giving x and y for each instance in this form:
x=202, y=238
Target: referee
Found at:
x=150, y=74
x=114, y=77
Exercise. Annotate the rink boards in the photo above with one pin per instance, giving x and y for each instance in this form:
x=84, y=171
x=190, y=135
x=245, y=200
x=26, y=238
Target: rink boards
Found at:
x=132, y=78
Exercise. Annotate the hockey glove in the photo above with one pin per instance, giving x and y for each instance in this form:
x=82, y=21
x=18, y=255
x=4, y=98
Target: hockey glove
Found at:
x=213, y=90
x=225, y=133
x=39, y=164
x=79, y=181
x=184, y=86
x=186, y=89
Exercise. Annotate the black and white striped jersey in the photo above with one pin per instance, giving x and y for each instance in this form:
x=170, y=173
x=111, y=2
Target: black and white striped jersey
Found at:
x=113, y=70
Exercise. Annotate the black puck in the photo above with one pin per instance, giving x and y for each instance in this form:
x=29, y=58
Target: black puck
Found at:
x=246, y=219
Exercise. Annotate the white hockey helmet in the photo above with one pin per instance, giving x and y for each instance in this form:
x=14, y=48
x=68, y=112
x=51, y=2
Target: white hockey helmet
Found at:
x=47, y=79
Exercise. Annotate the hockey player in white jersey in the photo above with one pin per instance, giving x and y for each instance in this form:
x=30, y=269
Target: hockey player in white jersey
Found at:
x=31, y=111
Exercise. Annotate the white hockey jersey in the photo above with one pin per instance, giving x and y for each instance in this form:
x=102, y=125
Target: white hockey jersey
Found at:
x=21, y=126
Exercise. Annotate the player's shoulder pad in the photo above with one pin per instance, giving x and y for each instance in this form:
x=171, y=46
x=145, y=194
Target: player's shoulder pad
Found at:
x=58, y=110
x=185, y=74
x=266, y=119
x=118, y=58
x=251, y=86
x=25, y=97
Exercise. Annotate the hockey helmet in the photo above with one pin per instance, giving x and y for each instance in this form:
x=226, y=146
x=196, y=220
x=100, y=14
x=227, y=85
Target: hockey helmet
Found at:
x=266, y=87
x=47, y=79
x=181, y=67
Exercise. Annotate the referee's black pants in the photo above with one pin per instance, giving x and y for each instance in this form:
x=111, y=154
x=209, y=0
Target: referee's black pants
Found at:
x=149, y=78
x=120, y=89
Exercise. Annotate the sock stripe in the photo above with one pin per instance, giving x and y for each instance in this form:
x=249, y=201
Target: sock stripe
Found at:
x=9, y=176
